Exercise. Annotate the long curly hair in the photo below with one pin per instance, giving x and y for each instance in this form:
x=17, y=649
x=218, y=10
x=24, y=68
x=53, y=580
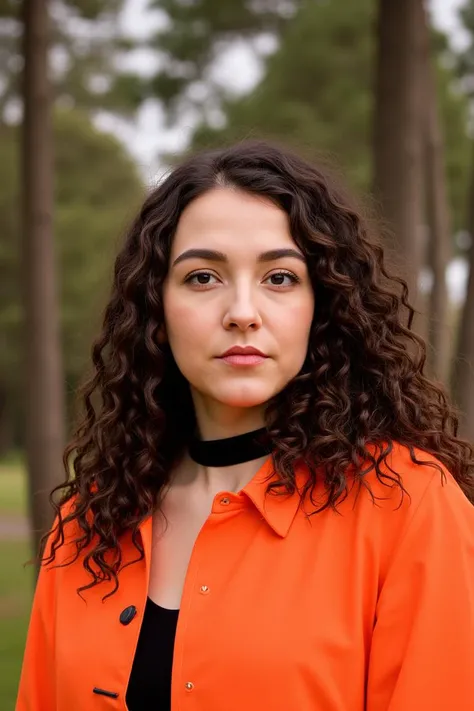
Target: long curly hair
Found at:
x=362, y=383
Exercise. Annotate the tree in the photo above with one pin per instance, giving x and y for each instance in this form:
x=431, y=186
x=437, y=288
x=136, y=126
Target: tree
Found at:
x=439, y=249
x=398, y=122
x=45, y=415
x=463, y=365
x=51, y=67
x=462, y=374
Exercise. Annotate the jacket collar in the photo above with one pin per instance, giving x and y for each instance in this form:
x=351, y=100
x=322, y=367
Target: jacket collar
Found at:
x=277, y=509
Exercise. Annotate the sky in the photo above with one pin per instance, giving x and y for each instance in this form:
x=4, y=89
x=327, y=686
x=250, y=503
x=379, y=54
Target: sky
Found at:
x=148, y=135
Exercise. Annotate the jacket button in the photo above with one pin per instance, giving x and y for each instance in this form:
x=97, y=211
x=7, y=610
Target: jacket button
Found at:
x=127, y=615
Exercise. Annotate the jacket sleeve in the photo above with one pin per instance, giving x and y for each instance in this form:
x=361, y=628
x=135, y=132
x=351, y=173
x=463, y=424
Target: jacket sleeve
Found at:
x=422, y=652
x=36, y=690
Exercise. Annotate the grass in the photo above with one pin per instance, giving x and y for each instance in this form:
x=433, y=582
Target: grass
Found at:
x=16, y=582
x=16, y=589
x=12, y=488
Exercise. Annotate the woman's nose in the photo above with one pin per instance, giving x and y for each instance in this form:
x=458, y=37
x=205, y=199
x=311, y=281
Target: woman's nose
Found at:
x=242, y=313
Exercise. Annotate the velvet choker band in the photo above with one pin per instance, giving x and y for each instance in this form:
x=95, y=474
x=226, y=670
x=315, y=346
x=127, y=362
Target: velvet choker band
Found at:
x=230, y=450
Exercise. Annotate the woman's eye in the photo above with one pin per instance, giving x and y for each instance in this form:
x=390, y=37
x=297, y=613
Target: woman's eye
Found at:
x=200, y=279
x=283, y=279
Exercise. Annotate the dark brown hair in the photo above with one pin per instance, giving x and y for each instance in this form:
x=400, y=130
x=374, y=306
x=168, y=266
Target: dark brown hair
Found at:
x=362, y=382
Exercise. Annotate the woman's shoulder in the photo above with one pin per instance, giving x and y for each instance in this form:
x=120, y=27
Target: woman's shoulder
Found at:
x=413, y=485
x=418, y=471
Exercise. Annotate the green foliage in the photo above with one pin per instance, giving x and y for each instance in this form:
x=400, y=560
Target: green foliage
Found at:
x=466, y=58
x=16, y=587
x=8, y=8
x=97, y=192
x=13, y=492
x=92, y=9
x=195, y=28
x=194, y=37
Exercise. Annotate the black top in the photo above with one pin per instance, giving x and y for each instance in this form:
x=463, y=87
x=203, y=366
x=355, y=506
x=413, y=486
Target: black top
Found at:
x=149, y=685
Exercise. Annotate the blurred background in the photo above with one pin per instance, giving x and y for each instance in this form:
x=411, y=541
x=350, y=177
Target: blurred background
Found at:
x=98, y=98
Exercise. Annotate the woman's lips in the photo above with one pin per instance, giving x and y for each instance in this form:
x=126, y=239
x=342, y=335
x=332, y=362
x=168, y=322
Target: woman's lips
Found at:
x=243, y=359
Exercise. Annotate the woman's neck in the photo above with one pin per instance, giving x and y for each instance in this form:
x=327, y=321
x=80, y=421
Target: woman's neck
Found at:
x=219, y=421
x=211, y=480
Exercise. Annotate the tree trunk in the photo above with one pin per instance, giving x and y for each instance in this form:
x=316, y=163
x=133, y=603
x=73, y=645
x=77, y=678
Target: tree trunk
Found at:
x=397, y=132
x=439, y=223
x=463, y=365
x=44, y=377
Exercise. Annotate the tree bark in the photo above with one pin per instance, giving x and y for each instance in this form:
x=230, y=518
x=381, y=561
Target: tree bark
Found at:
x=397, y=132
x=463, y=365
x=439, y=224
x=43, y=358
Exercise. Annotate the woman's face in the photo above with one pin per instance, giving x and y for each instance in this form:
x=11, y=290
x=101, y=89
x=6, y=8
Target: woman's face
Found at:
x=236, y=279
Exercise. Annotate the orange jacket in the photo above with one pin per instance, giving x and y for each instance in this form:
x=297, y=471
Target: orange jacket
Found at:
x=369, y=610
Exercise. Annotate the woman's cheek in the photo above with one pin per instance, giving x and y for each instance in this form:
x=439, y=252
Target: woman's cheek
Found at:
x=295, y=322
x=188, y=326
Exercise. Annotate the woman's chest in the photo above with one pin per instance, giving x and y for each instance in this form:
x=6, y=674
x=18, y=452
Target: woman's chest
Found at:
x=175, y=531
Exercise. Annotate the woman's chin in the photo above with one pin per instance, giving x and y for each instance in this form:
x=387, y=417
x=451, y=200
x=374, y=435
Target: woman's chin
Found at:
x=246, y=398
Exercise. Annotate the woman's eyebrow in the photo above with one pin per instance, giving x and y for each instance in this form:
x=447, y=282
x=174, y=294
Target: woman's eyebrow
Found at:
x=214, y=256
x=273, y=254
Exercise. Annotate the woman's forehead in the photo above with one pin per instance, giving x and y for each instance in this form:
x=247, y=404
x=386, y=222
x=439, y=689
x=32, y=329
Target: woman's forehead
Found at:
x=226, y=219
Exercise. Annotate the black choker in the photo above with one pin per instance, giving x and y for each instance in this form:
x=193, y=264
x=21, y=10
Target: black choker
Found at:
x=231, y=450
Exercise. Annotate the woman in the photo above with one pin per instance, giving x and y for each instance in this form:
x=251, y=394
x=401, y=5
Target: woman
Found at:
x=270, y=508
